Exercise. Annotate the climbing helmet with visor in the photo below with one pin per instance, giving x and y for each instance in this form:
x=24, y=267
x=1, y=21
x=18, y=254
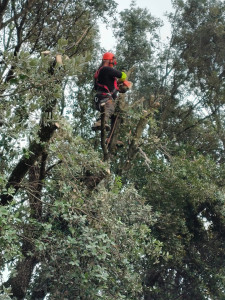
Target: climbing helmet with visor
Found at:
x=110, y=57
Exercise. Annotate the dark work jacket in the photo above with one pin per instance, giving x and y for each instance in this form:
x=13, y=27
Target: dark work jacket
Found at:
x=107, y=77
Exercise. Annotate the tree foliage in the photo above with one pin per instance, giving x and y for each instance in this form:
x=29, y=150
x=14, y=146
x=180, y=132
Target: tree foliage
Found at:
x=79, y=220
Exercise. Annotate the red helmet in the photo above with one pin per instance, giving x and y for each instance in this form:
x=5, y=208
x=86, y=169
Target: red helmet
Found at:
x=109, y=56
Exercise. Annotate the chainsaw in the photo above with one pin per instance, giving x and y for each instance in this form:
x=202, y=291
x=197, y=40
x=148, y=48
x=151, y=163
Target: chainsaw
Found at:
x=124, y=86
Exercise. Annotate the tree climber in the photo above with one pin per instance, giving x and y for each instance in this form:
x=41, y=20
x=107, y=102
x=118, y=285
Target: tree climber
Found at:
x=106, y=87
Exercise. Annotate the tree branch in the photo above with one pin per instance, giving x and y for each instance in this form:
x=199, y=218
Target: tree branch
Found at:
x=35, y=150
x=20, y=282
x=133, y=148
x=3, y=7
x=103, y=137
x=23, y=11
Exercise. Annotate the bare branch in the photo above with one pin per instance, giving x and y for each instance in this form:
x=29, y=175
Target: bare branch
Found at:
x=16, y=16
x=52, y=166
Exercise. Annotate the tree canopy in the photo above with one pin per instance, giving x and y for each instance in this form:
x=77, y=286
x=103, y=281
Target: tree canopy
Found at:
x=79, y=220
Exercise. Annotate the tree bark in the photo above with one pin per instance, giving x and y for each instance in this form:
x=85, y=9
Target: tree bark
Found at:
x=20, y=282
x=24, y=269
x=103, y=137
x=35, y=151
x=3, y=7
x=133, y=148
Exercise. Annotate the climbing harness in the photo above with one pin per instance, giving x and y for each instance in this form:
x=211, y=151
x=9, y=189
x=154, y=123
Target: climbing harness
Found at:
x=103, y=85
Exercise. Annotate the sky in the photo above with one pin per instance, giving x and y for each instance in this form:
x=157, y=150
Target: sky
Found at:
x=157, y=8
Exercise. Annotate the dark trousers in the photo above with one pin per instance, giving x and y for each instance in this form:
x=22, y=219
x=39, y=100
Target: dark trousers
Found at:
x=108, y=103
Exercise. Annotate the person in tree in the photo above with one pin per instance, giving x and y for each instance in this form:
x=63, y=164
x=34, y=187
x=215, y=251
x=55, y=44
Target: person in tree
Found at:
x=106, y=87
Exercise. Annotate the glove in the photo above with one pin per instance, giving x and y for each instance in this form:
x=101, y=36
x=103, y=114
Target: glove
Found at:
x=123, y=77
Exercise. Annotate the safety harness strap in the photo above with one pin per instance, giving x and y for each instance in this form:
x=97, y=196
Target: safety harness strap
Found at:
x=103, y=85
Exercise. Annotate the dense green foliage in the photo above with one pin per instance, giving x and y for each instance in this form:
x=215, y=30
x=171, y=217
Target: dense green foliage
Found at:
x=79, y=221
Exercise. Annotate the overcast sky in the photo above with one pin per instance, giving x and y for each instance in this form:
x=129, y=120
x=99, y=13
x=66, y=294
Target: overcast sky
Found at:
x=157, y=8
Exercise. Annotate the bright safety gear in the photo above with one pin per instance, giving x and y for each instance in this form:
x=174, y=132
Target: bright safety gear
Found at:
x=124, y=76
x=125, y=86
x=111, y=57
